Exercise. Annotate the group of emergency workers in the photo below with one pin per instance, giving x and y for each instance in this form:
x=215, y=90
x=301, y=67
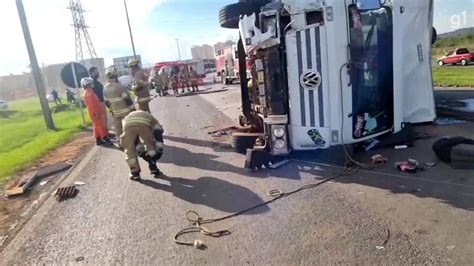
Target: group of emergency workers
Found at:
x=137, y=131
x=162, y=81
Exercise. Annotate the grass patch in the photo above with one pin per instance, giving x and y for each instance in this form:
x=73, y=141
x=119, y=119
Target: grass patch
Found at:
x=24, y=137
x=453, y=76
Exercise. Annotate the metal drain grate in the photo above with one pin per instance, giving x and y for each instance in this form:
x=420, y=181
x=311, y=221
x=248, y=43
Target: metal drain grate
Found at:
x=66, y=193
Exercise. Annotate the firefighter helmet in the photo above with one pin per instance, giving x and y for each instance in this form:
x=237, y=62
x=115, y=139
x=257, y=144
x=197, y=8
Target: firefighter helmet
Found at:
x=111, y=72
x=133, y=62
x=87, y=82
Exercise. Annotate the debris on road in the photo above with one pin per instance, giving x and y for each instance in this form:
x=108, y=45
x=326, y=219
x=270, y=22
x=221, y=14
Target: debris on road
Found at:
x=451, y=247
x=81, y=258
x=372, y=144
x=66, y=193
x=79, y=183
x=430, y=164
x=379, y=158
x=42, y=183
x=24, y=183
x=401, y=147
x=279, y=164
x=379, y=247
x=223, y=131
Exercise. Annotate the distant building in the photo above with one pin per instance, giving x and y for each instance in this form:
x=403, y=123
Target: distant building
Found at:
x=204, y=51
x=220, y=45
x=121, y=64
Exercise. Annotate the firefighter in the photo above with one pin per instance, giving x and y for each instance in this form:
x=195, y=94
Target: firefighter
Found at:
x=140, y=85
x=158, y=83
x=174, y=82
x=117, y=99
x=184, y=78
x=165, y=78
x=142, y=125
x=193, y=79
x=96, y=112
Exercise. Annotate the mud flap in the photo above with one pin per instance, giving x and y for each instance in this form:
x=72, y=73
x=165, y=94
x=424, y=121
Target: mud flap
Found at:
x=257, y=159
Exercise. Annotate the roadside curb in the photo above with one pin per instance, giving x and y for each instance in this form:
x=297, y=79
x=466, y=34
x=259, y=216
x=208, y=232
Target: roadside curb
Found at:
x=17, y=237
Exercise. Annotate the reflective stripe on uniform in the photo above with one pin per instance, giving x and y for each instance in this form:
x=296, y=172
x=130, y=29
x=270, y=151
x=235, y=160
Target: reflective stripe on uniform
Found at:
x=158, y=145
x=121, y=111
x=114, y=100
x=132, y=162
x=143, y=99
x=125, y=95
x=137, y=120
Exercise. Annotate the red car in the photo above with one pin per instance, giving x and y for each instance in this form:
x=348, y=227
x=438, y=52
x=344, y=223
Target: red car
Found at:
x=459, y=56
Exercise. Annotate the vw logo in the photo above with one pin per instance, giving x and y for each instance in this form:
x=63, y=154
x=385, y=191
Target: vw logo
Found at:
x=310, y=79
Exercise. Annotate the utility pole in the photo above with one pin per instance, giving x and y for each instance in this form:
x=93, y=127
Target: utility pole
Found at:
x=35, y=70
x=130, y=29
x=179, y=53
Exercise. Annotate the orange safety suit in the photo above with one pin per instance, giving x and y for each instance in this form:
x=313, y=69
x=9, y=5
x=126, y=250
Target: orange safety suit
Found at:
x=96, y=113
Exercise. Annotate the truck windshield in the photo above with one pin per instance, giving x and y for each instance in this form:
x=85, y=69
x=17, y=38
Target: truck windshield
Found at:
x=372, y=72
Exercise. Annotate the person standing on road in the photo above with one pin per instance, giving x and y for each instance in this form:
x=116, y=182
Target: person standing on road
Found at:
x=140, y=85
x=158, y=82
x=184, y=78
x=117, y=99
x=193, y=79
x=99, y=90
x=142, y=125
x=96, y=113
x=166, y=81
x=174, y=82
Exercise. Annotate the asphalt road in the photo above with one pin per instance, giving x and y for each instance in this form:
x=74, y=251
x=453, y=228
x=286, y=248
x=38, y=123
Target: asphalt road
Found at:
x=368, y=218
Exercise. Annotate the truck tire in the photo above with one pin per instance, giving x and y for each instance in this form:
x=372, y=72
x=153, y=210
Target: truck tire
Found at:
x=463, y=62
x=434, y=35
x=243, y=141
x=229, y=15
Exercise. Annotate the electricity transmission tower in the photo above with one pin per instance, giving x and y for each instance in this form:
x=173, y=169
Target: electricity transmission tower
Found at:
x=83, y=40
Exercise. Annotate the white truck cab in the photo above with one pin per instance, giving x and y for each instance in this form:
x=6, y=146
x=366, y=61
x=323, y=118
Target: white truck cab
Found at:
x=334, y=72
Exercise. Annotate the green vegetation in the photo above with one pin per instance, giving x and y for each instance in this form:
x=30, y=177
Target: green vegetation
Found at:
x=453, y=76
x=24, y=137
x=451, y=43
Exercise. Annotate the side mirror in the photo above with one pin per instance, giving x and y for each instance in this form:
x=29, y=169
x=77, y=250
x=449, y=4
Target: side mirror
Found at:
x=368, y=4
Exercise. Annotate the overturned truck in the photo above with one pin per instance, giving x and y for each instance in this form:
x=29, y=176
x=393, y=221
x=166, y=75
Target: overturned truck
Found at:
x=331, y=72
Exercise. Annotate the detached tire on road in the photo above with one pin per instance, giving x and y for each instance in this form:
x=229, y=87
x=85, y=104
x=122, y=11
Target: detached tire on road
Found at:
x=229, y=15
x=243, y=141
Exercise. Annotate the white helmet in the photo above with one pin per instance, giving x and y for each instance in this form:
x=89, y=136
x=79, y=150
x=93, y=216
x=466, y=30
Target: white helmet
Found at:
x=87, y=82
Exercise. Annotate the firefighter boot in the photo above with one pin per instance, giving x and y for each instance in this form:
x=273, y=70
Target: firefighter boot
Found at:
x=135, y=176
x=154, y=169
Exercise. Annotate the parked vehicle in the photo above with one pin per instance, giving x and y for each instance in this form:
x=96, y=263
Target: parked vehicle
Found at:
x=3, y=105
x=227, y=64
x=330, y=72
x=459, y=56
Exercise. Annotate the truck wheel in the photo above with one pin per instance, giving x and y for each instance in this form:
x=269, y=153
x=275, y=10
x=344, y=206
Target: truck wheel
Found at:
x=229, y=15
x=440, y=63
x=434, y=35
x=243, y=141
x=464, y=62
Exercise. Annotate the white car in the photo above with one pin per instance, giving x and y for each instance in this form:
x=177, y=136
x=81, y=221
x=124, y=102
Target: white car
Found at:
x=3, y=105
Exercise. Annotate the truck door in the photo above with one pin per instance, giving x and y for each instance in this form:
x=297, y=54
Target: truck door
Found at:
x=371, y=72
x=306, y=51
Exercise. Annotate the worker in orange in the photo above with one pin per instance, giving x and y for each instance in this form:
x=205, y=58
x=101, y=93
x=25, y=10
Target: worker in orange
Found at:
x=96, y=112
x=140, y=85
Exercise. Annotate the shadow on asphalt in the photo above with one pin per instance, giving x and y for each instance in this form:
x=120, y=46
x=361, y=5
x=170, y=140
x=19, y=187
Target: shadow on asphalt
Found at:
x=450, y=186
x=209, y=191
x=185, y=158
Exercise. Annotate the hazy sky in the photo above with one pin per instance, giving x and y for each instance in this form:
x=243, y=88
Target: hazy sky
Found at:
x=156, y=24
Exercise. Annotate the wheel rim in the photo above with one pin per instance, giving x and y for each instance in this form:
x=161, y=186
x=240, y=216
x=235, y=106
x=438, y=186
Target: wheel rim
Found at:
x=440, y=63
x=463, y=62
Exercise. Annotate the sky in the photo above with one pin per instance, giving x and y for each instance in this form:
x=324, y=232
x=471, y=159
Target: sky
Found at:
x=155, y=24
